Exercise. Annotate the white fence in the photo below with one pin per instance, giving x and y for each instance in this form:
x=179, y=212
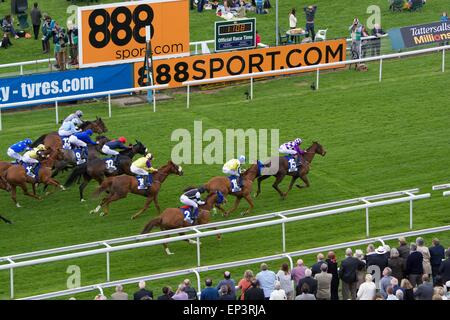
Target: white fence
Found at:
x=442, y=187
x=250, y=76
x=198, y=270
x=277, y=218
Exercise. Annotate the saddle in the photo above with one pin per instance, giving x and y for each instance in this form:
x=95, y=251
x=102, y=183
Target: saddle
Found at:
x=144, y=182
x=80, y=155
x=293, y=165
x=236, y=183
x=188, y=212
x=66, y=145
x=32, y=170
x=110, y=165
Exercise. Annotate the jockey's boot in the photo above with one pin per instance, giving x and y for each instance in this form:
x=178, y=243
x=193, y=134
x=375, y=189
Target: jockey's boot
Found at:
x=298, y=161
x=188, y=219
x=195, y=215
x=84, y=152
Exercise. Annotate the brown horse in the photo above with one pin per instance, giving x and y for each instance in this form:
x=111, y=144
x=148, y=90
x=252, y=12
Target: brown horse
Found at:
x=223, y=185
x=173, y=218
x=120, y=186
x=283, y=170
x=96, y=168
x=53, y=141
x=16, y=176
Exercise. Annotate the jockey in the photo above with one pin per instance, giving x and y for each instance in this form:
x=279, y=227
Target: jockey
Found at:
x=293, y=148
x=15, y=149
x=142, y=167
x=31, y=157
x=233, y=169
x=81, y=139
x=68, y=128
x=191, y=197
x=108, y=148
x=76, y=117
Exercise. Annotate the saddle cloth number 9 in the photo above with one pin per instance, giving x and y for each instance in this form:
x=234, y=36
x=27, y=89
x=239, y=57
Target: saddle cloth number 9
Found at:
x=79, y=157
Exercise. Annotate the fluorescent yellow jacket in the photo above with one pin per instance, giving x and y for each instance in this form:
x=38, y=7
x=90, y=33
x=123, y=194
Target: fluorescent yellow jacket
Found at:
x=32, y=153
x=145, y=164
x=232, y=164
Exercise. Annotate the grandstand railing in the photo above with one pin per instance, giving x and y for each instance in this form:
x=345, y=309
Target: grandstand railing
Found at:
x=249, y=76
x=197, y=270
x=363, y=203
x=442, y=187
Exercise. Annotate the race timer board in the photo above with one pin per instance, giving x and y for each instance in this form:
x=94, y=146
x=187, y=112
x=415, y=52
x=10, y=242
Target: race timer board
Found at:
x=233, y=35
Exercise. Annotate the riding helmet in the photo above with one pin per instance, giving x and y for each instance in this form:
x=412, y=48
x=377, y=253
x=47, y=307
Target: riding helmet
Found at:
x=298, y=141
x=122, y=139
x=79, y=113
x=41, y=147
x=28, y=141
x=149, y=156
x=242, y=159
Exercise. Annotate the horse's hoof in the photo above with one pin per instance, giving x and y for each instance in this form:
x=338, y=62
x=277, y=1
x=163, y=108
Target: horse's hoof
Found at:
x=102, y=214
x=168, y=252
x=18, y=205
x=82, y=200
x=62, y=188
x=92, y=212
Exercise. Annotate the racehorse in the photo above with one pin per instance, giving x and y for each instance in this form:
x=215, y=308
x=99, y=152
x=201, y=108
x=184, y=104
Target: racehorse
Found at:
x=97, y=169
x=223, y=185
x=16, y=176
x=283, y=170
x=69, y=159
x=173, y=218
x=120, y=186
x=53, y=141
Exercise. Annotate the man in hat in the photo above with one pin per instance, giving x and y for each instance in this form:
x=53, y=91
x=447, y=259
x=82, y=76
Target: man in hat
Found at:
x=310, y=12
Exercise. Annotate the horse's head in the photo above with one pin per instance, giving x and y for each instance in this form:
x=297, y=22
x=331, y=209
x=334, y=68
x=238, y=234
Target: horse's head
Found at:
x=319, y=149
x=101, y=125
x=102, y=140
x=175, y=169
x=140, y=148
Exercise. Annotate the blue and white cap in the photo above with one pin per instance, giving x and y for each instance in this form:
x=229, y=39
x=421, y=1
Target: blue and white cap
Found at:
x=28, y=141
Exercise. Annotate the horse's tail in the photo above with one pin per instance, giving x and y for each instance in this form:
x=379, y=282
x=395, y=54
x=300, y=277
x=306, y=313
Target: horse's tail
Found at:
x=106, y=185
x=38, y=141
x=77, y=172
x=153, y=223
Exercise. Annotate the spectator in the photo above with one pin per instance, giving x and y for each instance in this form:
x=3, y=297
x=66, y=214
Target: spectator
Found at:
x=61, y=43
x=8, y=31
x=36, y=17
x=227, y=281
x=142, y=292
x=444, y=269
x=440, y=291
x=385, y=281
x=316, y=266
x=310, y=12
x=266, y=280
x=347, y=273
x=311, y=282
x=209, y=293
x=390, y=294
x=360, y=274
x=191, y=292
x=285, y=278
x=425, y=254
x=425, y=290
x=377, y=32
x=292, y=19
x=46, y=34
x=73, y=44
x=414, y=266
x=119, y=294
x=379, y=296
x=167, y=294
x=323, y=283
x=356, y=31
x=333, y=269
x=399, y=294
x=397, y=264
x=278, y=293
x=407, y=288
x=377, y=258
x=254, y=293
x=394, y=285
x=100, y=297
x=368, y=289
x=305, y=293
x=436, y=297
x=298, y=272
x=180, y=294
x=403, y=248
x=226, y=294
x=437, y=255
x=245, y=283
x=259, y=6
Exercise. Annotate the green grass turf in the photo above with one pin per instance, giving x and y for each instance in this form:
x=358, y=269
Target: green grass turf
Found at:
x=335, y=16
x=380, y=137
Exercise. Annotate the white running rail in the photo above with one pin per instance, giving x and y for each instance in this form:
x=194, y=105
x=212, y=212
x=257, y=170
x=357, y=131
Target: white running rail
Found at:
x=442, y=187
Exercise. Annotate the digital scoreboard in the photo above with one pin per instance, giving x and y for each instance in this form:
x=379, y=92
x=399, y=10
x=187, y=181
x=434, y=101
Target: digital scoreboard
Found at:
x=233, y=35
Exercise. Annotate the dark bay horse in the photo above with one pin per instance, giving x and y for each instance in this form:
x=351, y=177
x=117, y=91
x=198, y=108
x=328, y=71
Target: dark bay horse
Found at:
x=16, y=176
x=53, y=141
x=96, y=168
x=120, y=186
x=283, y=170
x=223, y=185
x=173, y=218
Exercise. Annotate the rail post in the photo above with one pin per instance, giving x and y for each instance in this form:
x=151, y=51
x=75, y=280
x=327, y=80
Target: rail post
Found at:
x=381, y=70
x=317, y=78
x=21, y=69
x=187, y=98
x=154, y=101
x=56, y=111
x=251, y=88
x=109, y=106
x=11, y=279
x=1, y=127
x=443, y=60
x=108, y=268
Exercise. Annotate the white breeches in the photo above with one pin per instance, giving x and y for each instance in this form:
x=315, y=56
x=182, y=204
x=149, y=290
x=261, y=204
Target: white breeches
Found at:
x=109, y=151
x=74, y=140
x=12, y=154
x=138, y=171
x=285, y=150
x=27, y=159
x=230, y=172
x=64, y=133
x=185, y=200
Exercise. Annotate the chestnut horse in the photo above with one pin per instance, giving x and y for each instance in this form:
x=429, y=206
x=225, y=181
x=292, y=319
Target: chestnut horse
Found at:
x=53, y=141
x=283, y=170
x=119, y=187
x=16, y=176
x=223, y=185
x=173, y=218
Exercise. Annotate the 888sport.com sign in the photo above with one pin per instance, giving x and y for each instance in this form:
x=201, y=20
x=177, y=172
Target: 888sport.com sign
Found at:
x=115, y=33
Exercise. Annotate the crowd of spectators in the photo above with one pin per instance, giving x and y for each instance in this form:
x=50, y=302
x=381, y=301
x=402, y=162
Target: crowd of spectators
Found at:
x=408, y=272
